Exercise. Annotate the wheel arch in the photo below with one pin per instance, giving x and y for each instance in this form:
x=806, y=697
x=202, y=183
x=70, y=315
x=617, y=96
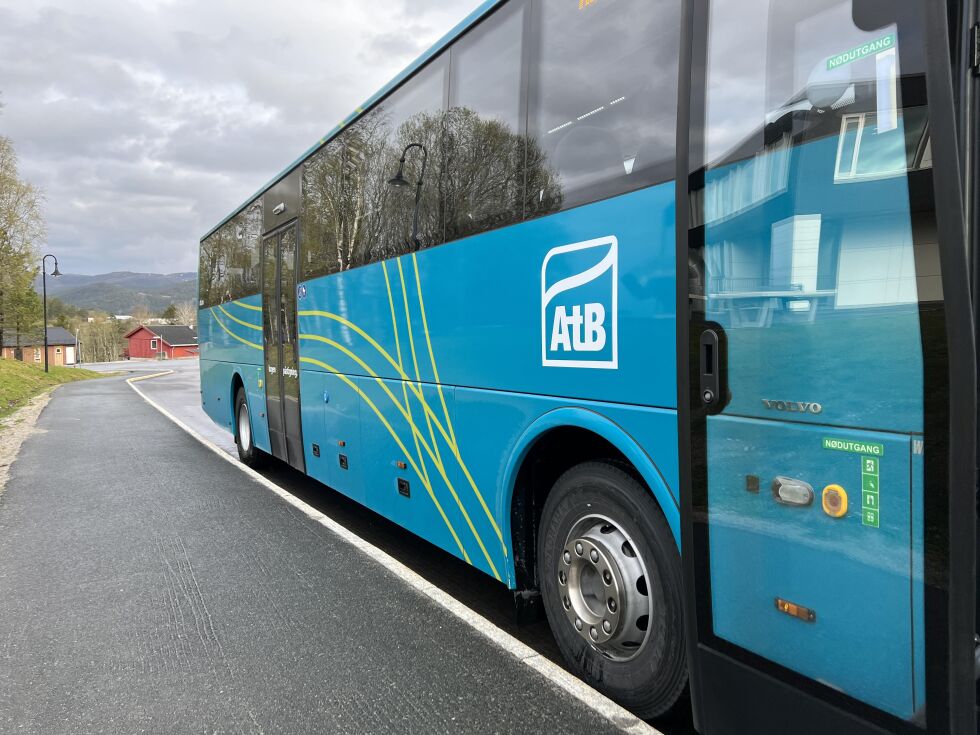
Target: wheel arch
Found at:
x=236, y=382
x=594, y=436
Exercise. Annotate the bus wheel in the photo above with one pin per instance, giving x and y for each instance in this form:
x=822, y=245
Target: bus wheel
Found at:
x=610, y=576
x=248, y=453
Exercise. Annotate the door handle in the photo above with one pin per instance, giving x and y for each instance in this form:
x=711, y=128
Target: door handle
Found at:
x=710, y=368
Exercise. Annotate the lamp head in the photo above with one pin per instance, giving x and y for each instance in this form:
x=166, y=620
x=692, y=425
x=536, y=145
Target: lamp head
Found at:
x=399, y=181
x=55, y=273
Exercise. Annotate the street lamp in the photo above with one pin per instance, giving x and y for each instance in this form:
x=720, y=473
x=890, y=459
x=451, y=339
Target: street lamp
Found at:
x=400, y=181
x=44, y=289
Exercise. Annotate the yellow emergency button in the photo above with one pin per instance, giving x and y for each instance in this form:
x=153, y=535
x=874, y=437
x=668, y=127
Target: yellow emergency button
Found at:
x=835, y=501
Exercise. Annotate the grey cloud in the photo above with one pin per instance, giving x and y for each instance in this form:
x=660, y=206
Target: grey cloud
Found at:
x=147, y=122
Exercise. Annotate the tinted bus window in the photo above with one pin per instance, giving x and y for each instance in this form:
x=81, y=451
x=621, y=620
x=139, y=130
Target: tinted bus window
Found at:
x=483, y=182
x=412, y=114
x=604, y=97
x=241, y=238
x=229, y=262
x=337, y=183
x=210, y=272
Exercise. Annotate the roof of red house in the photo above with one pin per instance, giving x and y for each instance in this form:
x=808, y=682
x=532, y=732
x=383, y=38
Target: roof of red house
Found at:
x=175, y=335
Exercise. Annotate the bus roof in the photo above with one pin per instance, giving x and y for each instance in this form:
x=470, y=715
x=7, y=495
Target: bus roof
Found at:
x=485, y=7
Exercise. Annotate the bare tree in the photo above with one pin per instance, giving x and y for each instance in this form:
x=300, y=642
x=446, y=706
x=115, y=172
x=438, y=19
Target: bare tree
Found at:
x=186, y=313
x=100, y=341
x=141, y=314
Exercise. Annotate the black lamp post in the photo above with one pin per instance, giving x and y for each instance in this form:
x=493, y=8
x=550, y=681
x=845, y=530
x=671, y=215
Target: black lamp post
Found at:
x=400, y=181
x=44, y=289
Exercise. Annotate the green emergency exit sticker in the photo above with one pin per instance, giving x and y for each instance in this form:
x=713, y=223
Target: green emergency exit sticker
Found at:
x=871, y=48
x=870, y=488
x=855, y=447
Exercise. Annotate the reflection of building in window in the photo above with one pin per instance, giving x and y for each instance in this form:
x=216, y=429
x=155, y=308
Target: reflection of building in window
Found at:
x=732, y=190
x=864, y=152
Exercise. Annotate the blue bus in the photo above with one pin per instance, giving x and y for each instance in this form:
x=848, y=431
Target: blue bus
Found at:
x=595, y=281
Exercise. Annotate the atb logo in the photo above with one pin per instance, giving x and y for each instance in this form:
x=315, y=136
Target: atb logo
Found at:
x=579, y=319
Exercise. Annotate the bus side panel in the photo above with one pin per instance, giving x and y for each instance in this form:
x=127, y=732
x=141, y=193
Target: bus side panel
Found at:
x=332, y=431
x=230, y=338
x=578, y=304
x=218, y=400
x=439, y=461
x=232, y=332
x=853, y=574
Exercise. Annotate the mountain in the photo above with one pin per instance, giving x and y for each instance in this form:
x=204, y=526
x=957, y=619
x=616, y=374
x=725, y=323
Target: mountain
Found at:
x=121, y=292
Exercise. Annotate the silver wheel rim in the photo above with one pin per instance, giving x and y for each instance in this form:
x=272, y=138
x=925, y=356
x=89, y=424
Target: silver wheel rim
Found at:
x=244, y=428
x=604, y=588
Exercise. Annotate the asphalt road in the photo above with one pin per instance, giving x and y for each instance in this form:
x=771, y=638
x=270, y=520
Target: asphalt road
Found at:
x=157, y=602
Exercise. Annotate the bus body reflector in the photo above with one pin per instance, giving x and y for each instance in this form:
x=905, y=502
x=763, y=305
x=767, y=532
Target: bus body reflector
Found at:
x=835, y=501
x=796, y=611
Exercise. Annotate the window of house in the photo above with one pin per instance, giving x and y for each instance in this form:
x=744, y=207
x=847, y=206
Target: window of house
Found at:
x=57, y=350
x=153, y=344
x=37, y=354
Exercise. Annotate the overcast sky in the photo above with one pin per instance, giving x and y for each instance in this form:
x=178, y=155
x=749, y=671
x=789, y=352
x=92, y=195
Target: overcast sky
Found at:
x=145, y=122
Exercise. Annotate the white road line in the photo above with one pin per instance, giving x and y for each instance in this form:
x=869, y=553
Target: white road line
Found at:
x=620, y=717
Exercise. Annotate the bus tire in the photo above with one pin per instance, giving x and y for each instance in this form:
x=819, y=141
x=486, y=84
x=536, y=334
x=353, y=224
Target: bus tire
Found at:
x=610, y=577
x=248, y=453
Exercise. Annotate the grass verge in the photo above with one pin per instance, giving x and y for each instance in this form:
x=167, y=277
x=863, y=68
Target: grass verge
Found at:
x=19, y=382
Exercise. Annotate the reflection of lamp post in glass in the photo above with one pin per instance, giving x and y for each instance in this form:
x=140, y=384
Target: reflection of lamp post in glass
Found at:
x=44, y=290
x=400, y=181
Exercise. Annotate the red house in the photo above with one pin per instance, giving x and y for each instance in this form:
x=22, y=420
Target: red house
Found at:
x=162, y=342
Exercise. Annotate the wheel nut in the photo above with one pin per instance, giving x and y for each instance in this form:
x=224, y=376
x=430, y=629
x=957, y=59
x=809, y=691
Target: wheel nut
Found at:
x=567, y=603
x=578, y=623
x=607, y=626
x=562, y=578
x=567, y=557
x=578, y=548
x=611, y=604
x=594, y=633
x=594, y=555
x=607, y=577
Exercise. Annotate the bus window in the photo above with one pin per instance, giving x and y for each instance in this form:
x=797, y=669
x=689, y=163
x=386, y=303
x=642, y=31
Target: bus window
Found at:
x=603, y=98
x=241, y=238
x=413, y=114
x=229, y=262
x=483, y=183
x=334, y=200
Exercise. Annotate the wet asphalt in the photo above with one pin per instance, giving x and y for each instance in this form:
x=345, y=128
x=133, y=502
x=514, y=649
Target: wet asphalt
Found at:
x=148, y=586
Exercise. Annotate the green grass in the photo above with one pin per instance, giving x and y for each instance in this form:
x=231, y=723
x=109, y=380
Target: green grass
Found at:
x=19, y=382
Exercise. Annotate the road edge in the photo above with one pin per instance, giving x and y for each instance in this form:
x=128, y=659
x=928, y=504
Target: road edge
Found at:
x=593, y=699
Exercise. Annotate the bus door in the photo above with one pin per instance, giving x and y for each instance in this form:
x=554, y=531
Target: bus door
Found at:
x=279, y=258
x=829, y=481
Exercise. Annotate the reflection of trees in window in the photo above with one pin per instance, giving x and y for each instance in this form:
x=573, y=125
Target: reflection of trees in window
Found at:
x=475, y=181
x=230, y=259
x=242, y=242
x=337, y=194
x=483, y=183
x=211, y=271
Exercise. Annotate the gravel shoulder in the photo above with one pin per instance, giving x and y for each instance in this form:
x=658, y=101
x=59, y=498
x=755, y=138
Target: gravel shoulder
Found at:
x=14, y=429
